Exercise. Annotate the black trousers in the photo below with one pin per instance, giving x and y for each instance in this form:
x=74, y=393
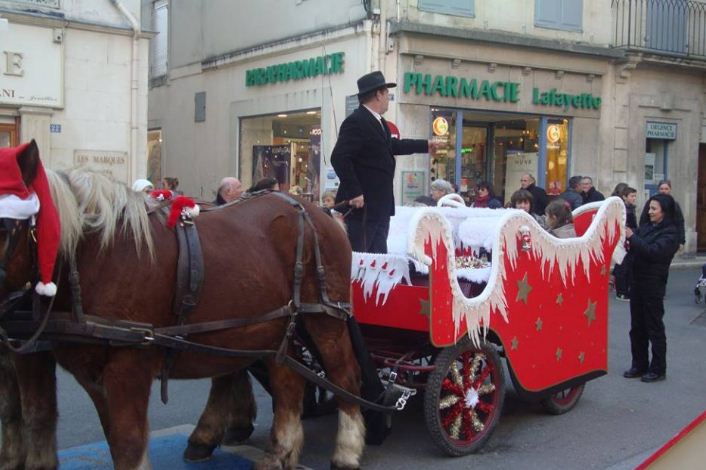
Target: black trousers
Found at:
x=623, y=276
x=368, y=236
x=647, y=327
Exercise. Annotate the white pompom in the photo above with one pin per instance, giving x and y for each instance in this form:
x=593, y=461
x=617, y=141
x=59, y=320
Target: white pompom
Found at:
x=193, y=211
x=48, y=290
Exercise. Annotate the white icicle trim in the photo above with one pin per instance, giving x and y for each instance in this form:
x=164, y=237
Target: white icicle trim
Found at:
x=562, y=254
x=379, y=272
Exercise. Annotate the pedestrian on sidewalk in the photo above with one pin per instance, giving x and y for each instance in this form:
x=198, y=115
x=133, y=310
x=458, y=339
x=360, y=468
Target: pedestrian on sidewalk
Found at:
x=622, y=272
x=653, y=246
x=665, y=187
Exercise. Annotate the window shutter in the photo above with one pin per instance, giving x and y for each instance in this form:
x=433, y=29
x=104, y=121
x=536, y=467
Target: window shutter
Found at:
x=449, y=7
x=159, y=43
x=572, y=14
x=559, y=14
x=200, y=106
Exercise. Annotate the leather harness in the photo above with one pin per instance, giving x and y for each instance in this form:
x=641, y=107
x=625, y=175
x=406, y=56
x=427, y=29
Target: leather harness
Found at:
x=76, y=326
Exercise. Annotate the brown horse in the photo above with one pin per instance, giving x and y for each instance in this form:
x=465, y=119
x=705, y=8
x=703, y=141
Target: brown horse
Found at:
x=127, y=264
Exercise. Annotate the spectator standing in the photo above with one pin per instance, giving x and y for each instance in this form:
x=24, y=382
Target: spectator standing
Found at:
x=229, y=190
x=142, y=185
x=440, y=188
x=653, y=246
x=572, y=195
x=588, y=192
x=559, y=219
x=364, y=160
x=522, y=199
x=622, y=272
x=485, y=196
x=619, y=189
x=539, y=195
x=665, y=187
x=171, y=183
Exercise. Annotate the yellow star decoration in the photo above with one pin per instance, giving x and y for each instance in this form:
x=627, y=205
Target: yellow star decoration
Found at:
x=523, y=290
x=559, y=299
x=514, y=343
x=558, y=354
x=590, y=312
x=538, y=324
x=582, y=356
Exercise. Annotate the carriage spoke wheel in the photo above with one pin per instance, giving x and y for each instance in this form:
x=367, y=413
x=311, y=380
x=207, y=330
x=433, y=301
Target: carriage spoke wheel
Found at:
x=563, y=401
x=464, y=397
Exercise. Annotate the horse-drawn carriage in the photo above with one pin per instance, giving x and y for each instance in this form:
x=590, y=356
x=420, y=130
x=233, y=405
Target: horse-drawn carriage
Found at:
x=460, y=289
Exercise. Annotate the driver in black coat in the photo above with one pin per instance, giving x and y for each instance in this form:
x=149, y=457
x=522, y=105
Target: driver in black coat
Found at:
x=364, y=160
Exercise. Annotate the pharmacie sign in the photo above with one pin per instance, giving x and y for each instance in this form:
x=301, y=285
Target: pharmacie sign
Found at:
x=661, y=130
x=328, y=64
x=449, y=86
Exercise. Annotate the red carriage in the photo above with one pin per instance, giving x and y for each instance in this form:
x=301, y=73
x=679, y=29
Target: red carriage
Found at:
x=480, y=285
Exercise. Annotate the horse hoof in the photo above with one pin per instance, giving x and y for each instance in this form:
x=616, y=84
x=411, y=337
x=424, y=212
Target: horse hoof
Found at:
x=335, y=466
x=198, y=452
x=237, y=434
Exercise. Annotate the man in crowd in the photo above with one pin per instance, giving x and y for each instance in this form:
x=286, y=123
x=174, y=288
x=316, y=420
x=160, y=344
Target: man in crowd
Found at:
x=539, y=195
x=572, y=195
x=588, y=192
x=364, y=160
x=229, y=190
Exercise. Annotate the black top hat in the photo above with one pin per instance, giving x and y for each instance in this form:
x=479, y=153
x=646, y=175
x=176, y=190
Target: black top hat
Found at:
x=373, y=81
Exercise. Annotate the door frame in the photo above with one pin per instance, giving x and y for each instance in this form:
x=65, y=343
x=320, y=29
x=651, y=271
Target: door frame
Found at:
x=14, y=132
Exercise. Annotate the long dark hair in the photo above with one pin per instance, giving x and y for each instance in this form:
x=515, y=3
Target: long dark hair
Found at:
x=666, y=202
x=486, y=185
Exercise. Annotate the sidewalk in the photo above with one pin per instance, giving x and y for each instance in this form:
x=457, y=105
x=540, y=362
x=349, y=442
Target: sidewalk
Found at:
x=686, y=261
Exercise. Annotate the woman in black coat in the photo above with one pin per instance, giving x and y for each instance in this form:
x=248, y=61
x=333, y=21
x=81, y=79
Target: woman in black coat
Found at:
x=653, y=246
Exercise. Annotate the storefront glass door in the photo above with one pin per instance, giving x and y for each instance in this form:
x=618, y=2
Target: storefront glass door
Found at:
x=8, y=135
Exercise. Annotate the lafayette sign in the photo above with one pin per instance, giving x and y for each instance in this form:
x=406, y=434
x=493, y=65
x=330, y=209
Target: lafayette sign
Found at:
x=449, y=86
x=297, y=70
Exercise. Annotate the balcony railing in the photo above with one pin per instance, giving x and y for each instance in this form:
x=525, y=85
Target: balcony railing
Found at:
x=666, y=27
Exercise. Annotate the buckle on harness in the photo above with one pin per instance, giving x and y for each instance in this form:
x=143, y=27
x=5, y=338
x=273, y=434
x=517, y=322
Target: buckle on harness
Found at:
x=147, y=335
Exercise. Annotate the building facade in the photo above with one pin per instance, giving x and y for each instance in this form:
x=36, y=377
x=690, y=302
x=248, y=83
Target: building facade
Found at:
x=612, y=89
x=73, y=76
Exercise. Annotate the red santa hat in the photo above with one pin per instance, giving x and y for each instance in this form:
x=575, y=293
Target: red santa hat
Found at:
x=21, y=201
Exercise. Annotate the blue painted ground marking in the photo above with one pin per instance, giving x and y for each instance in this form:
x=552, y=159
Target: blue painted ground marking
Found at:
x=165, y=452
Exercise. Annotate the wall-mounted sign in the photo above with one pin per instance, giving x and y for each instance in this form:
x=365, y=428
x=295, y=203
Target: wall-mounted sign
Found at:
x=565, y=100
x=553, y=133
x=297, y=70
x=111, y=163
x=31, y=67
x=661, y=130
x=440, y=126
x=412, y=186
x=450, y=86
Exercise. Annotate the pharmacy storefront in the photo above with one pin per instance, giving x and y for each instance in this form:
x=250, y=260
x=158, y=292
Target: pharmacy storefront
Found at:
x=497, y=122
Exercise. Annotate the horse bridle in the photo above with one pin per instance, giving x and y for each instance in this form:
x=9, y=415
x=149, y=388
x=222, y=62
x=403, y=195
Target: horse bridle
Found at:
x=13, y=228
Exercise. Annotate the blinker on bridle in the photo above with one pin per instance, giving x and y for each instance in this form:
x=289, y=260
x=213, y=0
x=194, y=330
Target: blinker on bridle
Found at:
x=13, y=228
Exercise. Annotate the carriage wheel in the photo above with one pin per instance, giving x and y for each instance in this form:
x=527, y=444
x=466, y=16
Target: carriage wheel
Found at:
x=563, y=401
x=464, y=397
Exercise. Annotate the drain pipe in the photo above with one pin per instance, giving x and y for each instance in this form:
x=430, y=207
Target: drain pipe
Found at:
x=134, y=86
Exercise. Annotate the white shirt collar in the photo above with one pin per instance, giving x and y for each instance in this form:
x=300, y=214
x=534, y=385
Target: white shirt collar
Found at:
x=377, y=116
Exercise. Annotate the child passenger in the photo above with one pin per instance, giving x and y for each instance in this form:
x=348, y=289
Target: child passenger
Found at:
x=559, y=219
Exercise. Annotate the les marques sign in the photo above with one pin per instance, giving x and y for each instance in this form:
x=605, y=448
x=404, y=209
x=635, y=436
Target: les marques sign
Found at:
x=449, y=86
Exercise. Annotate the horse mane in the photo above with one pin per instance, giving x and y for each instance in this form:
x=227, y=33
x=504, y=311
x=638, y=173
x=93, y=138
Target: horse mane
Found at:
x=88, y=201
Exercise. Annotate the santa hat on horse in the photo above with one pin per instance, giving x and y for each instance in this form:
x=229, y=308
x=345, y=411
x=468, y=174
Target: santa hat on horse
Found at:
x=22, y=201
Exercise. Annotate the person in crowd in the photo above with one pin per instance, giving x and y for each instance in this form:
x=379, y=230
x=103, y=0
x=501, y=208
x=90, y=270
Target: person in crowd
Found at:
x=229, y=190
x=424, y=201
x=622, y=272
x=619, y=189
x=539, y=195
x=572, y=195
x=267, y=182
x=523, y=200
x=440, y=188
x=588, y=192
x=485, y=197
x=560, y=221
x=364, y=160
x=296, y=190
x=171, y=183
x=329, y=199
x=653, y=246
x=142, y=186
x=665, y=187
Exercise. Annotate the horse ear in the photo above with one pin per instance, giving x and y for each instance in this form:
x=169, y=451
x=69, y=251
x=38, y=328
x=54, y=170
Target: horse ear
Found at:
x=28, y=160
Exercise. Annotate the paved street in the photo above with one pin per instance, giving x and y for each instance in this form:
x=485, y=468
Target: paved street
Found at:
x=616, y=425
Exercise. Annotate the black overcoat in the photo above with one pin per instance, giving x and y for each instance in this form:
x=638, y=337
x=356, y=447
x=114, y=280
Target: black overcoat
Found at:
x=364, y=161
x=653, y=247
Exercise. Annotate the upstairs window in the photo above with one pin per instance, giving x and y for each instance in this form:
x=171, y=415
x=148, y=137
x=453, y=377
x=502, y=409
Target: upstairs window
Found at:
x=559, y=14
x=159, y=43
x=449, y=7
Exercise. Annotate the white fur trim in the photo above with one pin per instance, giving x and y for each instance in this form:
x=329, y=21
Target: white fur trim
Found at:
x=193, y=212
x=48, y=290
x=13, y=207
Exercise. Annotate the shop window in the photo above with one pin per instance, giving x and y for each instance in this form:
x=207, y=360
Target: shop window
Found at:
x=8, y=135
x=557, y=152
x=449, y=7
x=515, y=153
x=286, y=147
x=154, y=155
x=559, y=14
x=443, y=162
x=655, y=164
